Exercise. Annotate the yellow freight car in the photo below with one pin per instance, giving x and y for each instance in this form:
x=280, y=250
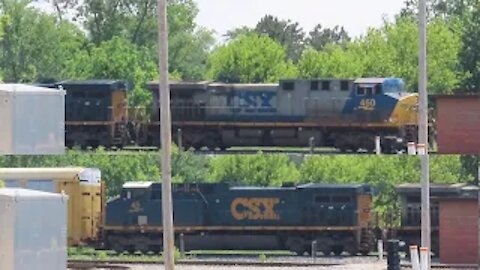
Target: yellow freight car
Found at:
x=83, y=186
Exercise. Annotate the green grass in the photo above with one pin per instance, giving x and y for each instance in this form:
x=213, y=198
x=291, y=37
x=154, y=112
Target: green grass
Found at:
x=104, y=255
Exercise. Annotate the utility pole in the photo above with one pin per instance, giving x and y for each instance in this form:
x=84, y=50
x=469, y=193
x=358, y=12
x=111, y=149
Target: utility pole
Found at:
x=423, y=125
x=165, y=137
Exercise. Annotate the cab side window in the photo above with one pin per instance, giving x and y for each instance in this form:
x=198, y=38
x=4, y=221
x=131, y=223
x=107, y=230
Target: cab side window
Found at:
x=377, y=90
x=361, y=91
x=322, y=199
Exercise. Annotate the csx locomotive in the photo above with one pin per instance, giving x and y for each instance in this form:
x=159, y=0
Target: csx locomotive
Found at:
x=346, y=114
x=220, y=217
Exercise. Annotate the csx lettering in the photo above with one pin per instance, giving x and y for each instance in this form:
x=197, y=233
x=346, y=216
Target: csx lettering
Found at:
x=247, y=100
x=254, y=208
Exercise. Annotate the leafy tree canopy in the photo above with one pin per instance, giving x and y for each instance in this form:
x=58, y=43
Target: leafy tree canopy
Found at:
x=250, y=58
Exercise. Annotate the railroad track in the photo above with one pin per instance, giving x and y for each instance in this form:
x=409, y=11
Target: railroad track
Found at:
x=123, y=264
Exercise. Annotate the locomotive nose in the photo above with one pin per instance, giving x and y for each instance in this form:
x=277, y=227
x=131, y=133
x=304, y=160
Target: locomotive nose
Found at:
x=406, y=110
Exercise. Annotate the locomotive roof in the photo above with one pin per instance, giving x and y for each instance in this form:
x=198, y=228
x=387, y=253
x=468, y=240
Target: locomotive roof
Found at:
x=363, y=187
x=181, y=85
x=356, y=187
x=137, y=185
x=95, y=84
x=243, y=85
x=373, y=80
x=322, y=185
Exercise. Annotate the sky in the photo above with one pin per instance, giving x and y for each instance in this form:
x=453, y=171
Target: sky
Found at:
x=355, y=15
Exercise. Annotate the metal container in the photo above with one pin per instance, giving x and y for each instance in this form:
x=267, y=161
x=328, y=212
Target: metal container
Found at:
x=83, y=186
x=33, y=230
x=33, y=120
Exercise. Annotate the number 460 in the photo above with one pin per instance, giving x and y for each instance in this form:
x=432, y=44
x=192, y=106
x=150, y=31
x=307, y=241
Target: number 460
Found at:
x=367, y=104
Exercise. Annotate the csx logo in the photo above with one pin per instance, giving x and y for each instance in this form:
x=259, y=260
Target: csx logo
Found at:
x=251, y=101
x=254, y=208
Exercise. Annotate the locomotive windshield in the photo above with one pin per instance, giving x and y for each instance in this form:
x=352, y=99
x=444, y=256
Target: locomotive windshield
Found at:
x=393, y=86
x=378, y=86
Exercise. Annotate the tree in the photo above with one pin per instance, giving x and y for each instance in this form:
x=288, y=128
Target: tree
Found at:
x=136, y=21
x=250, y=59
x=285, y=32
x=254, y=170
x=333, y=61
x=116, y=59
x=61, y=7
x=34, y=45
x=237, y=32
x=470, y=55
x=470, y=165
x=392, y=51
x=445, y=9
x=319, y=37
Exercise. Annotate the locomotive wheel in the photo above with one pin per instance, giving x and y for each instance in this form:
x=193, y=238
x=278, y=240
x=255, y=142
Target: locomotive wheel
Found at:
x=117, y=248
x=115, y=244
x=298, y=249
x=337, y=250
x=296, y=245
x=352, y=250
x=156, y=249
x=129, y=249
x=326, y=251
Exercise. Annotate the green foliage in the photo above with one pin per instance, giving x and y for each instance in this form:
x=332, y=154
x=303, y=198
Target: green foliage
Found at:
x=136, y=22
x=2, y=184
x=391, y=51
x=254, y=170
x=470, y=165
x=319, y=37
x=116, y=59
x=288, y=34
x=33, y=44
x=262, y=258
x=189, y=168
x=470, y=55
x=250, y=58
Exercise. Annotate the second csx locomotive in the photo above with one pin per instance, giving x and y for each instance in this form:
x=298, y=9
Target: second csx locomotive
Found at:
x=220, y=217
x=346, y=114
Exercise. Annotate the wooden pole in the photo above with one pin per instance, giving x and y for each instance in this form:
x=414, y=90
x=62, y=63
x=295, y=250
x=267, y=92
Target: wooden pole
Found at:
x=165, y=138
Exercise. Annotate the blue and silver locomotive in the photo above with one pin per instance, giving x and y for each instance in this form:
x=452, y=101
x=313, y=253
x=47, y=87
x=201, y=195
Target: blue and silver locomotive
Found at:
x=346, y=114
